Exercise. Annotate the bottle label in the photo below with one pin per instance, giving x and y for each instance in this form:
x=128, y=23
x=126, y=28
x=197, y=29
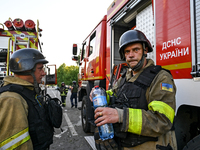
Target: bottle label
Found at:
x=107, y=128
x=99, y=101
x=106, y=131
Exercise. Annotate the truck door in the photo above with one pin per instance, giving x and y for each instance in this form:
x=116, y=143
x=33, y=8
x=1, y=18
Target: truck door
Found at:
x=95, y=64
x=90, y=64
x=83, y=61
x=173, y=37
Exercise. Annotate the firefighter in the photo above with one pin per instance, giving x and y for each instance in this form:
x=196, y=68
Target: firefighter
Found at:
x=74, y=90
x=144, y=106
x=63, y=93
x=24, y=124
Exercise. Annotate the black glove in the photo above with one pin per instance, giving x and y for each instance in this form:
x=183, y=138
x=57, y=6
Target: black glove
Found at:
x=168, y=147
x=104, y=145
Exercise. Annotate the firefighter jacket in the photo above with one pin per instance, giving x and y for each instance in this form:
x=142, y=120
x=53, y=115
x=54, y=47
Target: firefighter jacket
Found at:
x=14, y=130
x=63, y=91
x=155, y=117
x=40, y=128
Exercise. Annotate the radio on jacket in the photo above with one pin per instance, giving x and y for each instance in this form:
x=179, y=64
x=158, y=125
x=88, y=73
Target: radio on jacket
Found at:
x=99, y=100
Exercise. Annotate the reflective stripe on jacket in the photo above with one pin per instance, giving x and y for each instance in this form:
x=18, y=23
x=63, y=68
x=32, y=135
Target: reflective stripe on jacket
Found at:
x=13, y=118
x=15, y=140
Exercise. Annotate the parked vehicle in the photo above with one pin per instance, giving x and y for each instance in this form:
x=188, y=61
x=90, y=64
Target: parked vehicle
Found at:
x=173, y=29
x=21, y=35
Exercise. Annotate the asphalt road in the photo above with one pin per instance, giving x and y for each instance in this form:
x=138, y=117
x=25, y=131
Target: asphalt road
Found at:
x=70, y=136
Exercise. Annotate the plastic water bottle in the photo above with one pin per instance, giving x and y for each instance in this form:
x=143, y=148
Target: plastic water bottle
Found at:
x=99, y=100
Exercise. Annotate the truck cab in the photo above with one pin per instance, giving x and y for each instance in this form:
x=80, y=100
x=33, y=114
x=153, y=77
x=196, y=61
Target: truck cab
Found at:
x=173, y=29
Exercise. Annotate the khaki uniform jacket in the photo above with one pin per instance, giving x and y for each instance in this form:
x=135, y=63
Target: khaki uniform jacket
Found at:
x=154, y=124
x=13, y=117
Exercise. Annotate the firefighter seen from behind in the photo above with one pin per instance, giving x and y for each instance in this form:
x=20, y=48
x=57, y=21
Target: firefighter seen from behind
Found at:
x=23, y=116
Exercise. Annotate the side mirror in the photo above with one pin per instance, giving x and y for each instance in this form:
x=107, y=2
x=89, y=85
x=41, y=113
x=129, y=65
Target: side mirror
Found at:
x=74, y=49
x=74, y=58
x=50, y=79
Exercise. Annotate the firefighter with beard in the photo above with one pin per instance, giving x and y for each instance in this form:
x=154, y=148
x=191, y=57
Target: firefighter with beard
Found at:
x=144, y=107
x=24, y=124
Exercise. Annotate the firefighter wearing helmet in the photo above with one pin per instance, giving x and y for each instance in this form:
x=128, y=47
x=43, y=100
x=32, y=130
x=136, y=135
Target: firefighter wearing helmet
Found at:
x=63, y=93
x=22, y=112
x=144, y=108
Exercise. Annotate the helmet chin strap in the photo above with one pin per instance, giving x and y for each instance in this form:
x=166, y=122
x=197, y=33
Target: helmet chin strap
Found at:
x=141, y=62
x=36, y=86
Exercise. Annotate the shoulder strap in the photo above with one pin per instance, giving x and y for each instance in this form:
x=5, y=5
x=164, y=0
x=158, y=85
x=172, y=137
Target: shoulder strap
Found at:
x=12, y=88
x=123, y=80
x=24, y=92
x=146, y=77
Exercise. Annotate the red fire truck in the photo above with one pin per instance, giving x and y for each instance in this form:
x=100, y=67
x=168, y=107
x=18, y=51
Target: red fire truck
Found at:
x=20, y=35
x=173, y=28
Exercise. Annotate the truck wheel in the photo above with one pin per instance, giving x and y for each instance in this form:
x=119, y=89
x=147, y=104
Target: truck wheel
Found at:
x=84, y=115
x=193, y=144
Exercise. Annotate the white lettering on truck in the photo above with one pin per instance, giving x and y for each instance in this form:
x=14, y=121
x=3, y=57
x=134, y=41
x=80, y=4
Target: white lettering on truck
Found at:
x=175, y=53
x=171, y=43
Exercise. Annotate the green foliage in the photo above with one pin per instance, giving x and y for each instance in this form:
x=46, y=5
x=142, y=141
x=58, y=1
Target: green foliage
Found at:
x=67, y=74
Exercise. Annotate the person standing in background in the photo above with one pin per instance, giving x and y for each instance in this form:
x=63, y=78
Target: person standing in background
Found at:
x=63, y=93
x=74, y=91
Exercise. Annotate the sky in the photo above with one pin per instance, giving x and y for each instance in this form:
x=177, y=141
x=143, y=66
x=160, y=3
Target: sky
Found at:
x=64, y=22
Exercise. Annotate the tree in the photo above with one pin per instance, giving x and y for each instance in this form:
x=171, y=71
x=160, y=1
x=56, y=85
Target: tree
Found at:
x=67, y=74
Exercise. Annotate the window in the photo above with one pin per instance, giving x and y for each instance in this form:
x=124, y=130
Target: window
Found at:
x=92, y=43
x=83, y=51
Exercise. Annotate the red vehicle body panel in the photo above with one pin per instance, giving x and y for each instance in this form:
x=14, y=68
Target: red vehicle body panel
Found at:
x=173, y=37
x=108, y=53
x=93, y=67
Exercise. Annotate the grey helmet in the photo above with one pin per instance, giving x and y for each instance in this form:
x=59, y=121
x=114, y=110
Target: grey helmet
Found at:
x=25, y=59
x=63, y=84
x=134, y=36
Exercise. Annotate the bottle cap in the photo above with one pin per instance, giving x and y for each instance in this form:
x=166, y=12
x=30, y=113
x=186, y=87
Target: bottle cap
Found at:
x=96, y=86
